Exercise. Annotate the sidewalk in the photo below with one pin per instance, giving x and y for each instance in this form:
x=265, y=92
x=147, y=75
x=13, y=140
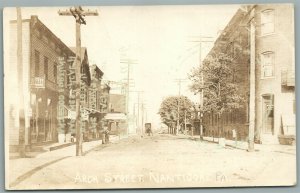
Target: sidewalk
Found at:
x=22, y=168
x=243, y=145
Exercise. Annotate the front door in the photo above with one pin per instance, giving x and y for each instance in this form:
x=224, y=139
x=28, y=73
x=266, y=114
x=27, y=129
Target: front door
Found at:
x=268, y=114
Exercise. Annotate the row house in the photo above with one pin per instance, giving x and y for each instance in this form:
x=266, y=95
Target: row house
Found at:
x=95, y=98
x=85, y=83
x=48, y=84
x=42, y=55
x=274, y=57
x=117, y=120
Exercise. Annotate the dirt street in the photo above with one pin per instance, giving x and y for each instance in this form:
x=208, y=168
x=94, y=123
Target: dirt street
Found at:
x=164, y=161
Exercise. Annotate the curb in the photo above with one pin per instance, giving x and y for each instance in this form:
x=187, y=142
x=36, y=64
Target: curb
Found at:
x=33, y=171
x=61, y=146
x=29, y=173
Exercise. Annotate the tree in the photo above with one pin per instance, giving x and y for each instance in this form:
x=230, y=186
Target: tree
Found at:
x=217, y=79
x=169, y=111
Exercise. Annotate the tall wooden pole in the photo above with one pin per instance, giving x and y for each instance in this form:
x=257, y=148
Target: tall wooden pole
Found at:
x=138, y=129
x=138, y=119
x=178, y=81
x=201, y=93
x=201, y=39
x=142, y=119
x=78, y=13
x=178, y=114
x=127, y=98
x=252, y=85
x=20, y=83
x=128, y=62
x=78, y=84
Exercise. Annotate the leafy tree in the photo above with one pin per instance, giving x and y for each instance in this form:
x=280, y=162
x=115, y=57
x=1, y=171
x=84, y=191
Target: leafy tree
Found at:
x=217, y=78
x=169, y=111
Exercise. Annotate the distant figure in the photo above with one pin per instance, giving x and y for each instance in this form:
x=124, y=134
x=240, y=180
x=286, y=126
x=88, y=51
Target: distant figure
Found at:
x=104, y=132
x=148, y=129
x=73, y=137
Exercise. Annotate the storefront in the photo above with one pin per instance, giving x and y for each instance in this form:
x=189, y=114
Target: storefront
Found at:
x=117, y=124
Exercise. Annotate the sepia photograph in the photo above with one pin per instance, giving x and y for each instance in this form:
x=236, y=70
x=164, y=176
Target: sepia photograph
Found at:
x=149, y=96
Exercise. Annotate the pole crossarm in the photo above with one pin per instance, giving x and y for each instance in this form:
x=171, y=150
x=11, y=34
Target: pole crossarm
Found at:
x=129, y=61
x=78, y=13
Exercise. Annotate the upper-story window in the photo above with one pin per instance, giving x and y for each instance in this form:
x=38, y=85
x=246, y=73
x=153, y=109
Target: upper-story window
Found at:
x=36, y=63
x=46, y=61
x=37, y=33
x=45, y=39
x=58, y=50
x=55, y=72
x=267, y=64
x=52, y=45
x=267, y=22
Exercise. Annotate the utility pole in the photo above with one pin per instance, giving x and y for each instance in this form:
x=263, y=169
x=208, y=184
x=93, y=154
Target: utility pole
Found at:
x=142, y=119
x=78, y=13
x=146, y=116
x=22, y=148
x=138, y=110
x=128, y=62
x=201, y=40
x=252, y=83
x=138, y=120
x=179, y=81
x=135, y=119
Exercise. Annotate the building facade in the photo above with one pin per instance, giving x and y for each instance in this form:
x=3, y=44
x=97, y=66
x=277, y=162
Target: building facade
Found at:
x=274, y=55
x=96, y=115
x=233, y=41
x=48, y=87
x=42, y=53
x=275, y=71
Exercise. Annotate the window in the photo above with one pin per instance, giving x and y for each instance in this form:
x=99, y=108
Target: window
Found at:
x=267, y=62
x=37, y=33
x=267, y=22
x=52, y=45
x=45, y=39
x=55, y=72
x=36, y=63
x=46, y=67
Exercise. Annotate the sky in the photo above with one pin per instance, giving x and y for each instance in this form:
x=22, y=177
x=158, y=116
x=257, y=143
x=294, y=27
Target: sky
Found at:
x=161, y=39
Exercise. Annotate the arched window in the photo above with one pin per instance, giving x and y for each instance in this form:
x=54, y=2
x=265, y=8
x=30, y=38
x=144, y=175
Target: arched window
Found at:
x=267, y=21
x=267, y=64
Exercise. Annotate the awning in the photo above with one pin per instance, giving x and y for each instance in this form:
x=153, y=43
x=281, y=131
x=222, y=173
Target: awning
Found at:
x=115, y=116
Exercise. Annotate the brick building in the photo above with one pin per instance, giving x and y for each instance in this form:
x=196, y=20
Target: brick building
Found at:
x=274, y=72
x=233, y=41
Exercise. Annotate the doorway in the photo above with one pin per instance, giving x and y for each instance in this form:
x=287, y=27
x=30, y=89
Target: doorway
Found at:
x=268, y=114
